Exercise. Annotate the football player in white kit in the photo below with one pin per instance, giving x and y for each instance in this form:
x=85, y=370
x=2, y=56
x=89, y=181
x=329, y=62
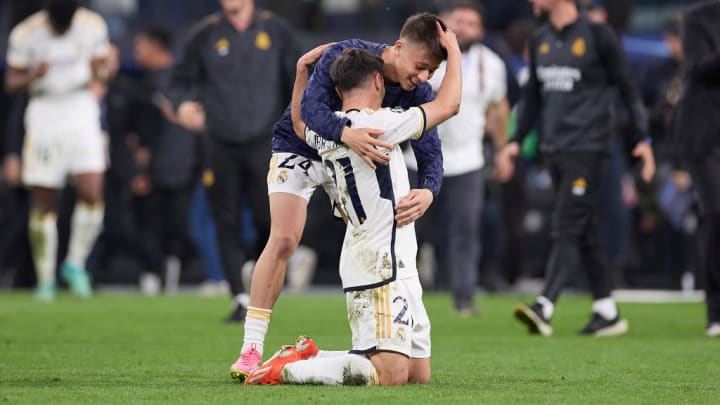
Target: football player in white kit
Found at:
x=390, y=327
x=55, y=54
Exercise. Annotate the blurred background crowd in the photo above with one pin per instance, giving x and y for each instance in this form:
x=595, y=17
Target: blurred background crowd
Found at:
x=158, y=230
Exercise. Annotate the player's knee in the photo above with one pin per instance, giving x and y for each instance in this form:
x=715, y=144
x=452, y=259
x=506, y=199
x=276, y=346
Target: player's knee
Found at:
x=420, y=378
x=393, y=374
x=283, y=246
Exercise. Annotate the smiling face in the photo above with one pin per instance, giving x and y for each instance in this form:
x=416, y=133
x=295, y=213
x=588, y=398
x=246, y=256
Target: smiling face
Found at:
x=413, y=64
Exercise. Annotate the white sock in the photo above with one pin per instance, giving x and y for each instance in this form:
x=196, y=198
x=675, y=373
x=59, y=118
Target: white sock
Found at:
x=242, y=299
x=323, y=354
x=43, y=244
x=85, y=226
x=606, y=308
x=348, y=369
x=547, y=307
x=257, y=322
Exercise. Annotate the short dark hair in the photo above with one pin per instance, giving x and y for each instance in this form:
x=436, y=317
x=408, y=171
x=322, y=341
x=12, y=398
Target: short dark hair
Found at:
x=474, y=5
x=61, y=13
x=158, y=34
x=421, y=29
x=353, y=67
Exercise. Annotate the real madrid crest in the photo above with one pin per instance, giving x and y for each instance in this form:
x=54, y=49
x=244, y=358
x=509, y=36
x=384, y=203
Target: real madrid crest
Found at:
x=262, y=41
x=578, y=47
x=544, y=48
x=222, y=46
x=579, y=186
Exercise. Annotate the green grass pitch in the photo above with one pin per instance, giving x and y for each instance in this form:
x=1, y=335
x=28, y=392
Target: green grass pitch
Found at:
x=131, y=349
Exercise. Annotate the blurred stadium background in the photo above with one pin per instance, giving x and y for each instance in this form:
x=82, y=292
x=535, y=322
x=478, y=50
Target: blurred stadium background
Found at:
x=649, y=245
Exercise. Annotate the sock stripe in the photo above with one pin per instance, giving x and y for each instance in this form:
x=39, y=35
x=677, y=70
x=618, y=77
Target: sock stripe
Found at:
x=259, y=313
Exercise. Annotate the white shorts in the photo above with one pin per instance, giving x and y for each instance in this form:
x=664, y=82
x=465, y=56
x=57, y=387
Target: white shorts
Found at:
x=390, y=318
x=63, y=137
x=295, y=174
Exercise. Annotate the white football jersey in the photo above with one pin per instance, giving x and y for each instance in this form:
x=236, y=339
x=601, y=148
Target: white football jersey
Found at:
x=68, y=56
x=376, y=250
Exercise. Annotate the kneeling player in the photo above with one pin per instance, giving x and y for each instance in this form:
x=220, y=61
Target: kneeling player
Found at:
x=389, y=324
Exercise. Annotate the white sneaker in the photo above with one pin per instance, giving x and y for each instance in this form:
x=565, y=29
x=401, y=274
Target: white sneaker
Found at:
x=301, y=268
x=714, y=330
x=211, y=288
x=150, y=284
x=246, y=273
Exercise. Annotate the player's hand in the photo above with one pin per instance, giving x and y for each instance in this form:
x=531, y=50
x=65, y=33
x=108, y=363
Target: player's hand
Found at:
x=644, y=151
x=413, y=206
x=363, y=142
x=312, y=56
x=141, y=185
x=448, y=40
x=505, y=161
x=41, y=70
x=12, y=172
x=191, y=115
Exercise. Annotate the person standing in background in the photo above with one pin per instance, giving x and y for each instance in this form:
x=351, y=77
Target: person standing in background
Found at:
x=233, y=81
x=574, y=65
x=56, y=53
x=484, y=109
x=698, y=131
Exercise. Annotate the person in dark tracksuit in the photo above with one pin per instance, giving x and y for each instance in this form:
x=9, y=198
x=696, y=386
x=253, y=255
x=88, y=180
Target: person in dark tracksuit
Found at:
x=698, y=131
x=574, y=65
x=232, y=83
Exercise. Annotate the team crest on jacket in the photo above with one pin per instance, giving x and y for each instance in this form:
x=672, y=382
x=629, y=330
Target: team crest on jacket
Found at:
x=222, y=46
x=579, y=186
x=262, y=41
x=208, y=178
x=544, y=48
x=578, y=47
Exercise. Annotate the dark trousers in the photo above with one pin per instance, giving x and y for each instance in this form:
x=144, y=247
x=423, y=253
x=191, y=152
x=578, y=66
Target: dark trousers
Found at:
x=460, y=202
x=235, y=172
x=574, y=225
x=706, y=180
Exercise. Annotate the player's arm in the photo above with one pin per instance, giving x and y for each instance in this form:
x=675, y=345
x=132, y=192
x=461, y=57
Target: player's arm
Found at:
x=21, y=71
x=100, y=49
x=317, y=114
x=618, y=71
x=702, y=58
x=447, y=101
x=186, y=78
x=497, y=114
x=302, y=75
x=528, y=110
x=17, y=79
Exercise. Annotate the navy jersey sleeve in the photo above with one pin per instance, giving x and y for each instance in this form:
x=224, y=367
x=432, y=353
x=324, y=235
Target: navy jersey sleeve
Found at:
x=427, y=148
x=316, y=108
x=529, y=105
x=613, y=58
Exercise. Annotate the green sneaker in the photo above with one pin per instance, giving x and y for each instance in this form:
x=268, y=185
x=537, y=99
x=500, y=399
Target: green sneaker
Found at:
x=78, y=280
x=45, y=292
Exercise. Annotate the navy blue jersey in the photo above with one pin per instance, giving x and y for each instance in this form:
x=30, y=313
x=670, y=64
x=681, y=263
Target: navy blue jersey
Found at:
x=320, y=102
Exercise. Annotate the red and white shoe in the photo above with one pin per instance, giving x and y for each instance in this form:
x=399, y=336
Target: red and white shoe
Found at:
x=270, y=372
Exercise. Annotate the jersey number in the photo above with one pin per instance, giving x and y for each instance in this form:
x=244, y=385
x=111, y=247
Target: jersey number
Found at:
x=303, y=164
x=352, y=190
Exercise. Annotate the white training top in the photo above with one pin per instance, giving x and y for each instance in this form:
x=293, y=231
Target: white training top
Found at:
x=376, y=250
x=483, y=82
x=32, y=42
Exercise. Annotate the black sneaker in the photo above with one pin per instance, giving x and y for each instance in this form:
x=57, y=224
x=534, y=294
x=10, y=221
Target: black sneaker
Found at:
x=532, y=316
x=237, y=315
x=599, y=326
